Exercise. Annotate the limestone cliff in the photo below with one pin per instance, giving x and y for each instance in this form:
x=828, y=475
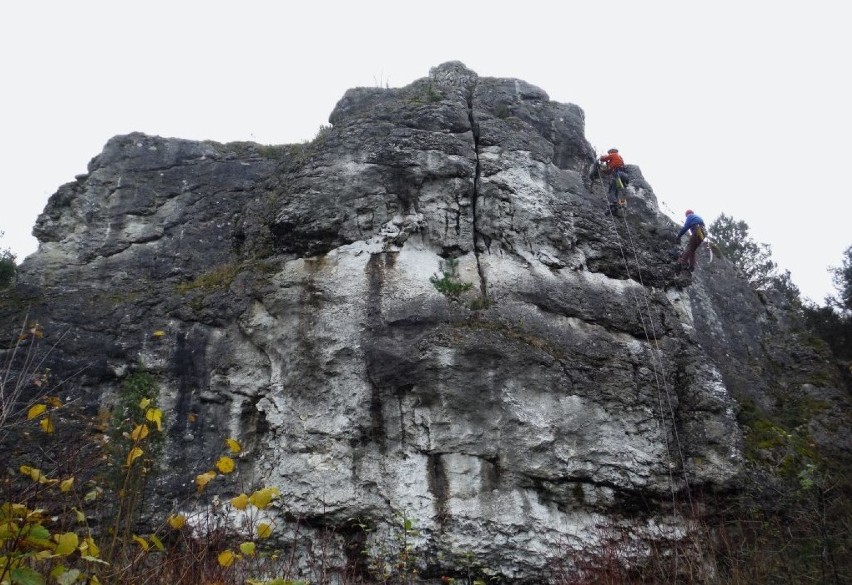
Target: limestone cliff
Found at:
x=426, y=312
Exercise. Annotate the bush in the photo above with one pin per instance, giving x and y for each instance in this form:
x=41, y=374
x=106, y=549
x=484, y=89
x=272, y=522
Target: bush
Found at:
x=448, y=283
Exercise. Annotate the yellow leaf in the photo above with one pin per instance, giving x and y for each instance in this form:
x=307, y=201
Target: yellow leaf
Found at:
x=141, y=542
x=35, y=410
x=240, y=502
x=134, y=454
x=264, y=530
x=233, y=445
x=226, y=558
x=262, y=497
x=90, y=548
x=35, y=515
x=225, y=464
x=143, y=404
x=33, y=473
x=159, y=333
x=66, y=485
x=79, y=515
x=139, y=432
x=93, y=580
x=46, y=425
x=66, y=544
x=203, y=479
x=247, y=548
x=53, y=401
x=157, y=542
x=155, y=415
x=14, y=510
x=42, y=555
x=176, y=521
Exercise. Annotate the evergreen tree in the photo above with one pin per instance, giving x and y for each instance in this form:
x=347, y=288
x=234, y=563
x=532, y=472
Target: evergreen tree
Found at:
x=783, y=284
x=753, y=259
x=7, y=266
x=833, y=322
x=842, y=277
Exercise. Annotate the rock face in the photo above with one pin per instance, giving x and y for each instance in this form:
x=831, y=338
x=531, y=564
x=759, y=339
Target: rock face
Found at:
x=425, y=313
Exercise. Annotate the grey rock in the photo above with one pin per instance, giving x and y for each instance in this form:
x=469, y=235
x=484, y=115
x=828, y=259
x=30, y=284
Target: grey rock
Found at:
x=579, y=381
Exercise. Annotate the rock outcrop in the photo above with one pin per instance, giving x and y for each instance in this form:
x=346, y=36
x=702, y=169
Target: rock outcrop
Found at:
x=427, y=312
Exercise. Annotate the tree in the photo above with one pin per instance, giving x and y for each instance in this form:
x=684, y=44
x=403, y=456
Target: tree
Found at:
x=783, y=284
x=753, y=259
x=833, y=322
x=7, y=266
x=842, y=278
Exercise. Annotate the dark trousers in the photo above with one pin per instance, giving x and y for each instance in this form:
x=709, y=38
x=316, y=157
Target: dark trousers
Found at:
x=688, y=256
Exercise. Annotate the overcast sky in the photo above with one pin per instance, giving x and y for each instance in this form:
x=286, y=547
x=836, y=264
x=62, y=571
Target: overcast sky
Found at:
x=741, y=107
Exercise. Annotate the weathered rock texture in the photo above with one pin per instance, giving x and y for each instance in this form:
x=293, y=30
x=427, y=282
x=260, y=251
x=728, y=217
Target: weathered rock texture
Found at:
x=578, y=382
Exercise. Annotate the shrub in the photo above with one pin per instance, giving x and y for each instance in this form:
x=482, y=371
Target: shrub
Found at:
x=448, y=283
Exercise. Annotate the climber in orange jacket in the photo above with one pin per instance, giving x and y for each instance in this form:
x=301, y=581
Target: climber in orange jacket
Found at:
x=612, y=164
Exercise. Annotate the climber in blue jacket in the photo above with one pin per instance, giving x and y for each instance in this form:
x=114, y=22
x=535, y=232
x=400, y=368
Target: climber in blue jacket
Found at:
x=695, y=225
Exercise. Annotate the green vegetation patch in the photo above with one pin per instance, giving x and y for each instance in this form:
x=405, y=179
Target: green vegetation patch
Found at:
x=219, y=278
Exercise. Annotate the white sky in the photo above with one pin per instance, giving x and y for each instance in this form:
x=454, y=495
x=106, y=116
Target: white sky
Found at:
x=740, y=107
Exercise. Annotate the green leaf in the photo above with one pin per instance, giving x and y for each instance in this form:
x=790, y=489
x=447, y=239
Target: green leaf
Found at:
x=38, y=532
x=247, y=548
x=26, y=576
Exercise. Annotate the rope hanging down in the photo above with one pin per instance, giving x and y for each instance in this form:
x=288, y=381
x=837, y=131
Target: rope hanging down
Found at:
x=657, y=364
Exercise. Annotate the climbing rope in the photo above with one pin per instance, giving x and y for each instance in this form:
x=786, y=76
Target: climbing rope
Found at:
x=658, y=354
x=657, y=361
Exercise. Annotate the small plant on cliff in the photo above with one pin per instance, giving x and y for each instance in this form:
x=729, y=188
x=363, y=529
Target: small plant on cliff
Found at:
x=393, y=560
x=480, y=303
x=425, y=94
x=448, y=283
x=218, y=278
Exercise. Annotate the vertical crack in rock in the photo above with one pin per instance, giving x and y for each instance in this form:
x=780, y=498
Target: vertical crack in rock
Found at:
x=375, y=275
x=474, y=127
x=190, y=371
x=439, y=485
